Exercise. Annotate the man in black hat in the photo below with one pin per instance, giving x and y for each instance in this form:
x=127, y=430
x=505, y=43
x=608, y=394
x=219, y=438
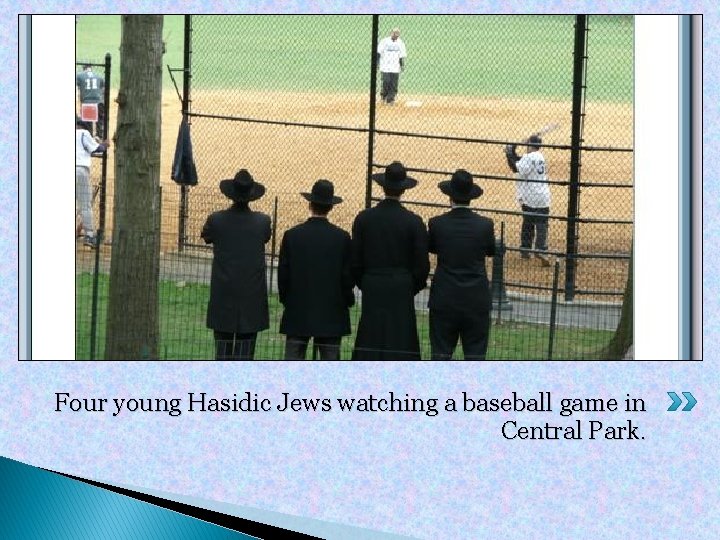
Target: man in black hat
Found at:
x=238, y=307
x=460, y=293
x=390, y=266
x=314, y=280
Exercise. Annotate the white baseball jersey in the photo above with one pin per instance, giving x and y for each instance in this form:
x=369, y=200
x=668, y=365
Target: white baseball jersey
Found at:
x=390, y=54
x=535, y=194
x=84, y=146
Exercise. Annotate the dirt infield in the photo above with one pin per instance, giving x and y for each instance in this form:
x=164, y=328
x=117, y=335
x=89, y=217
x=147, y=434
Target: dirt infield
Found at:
x=287, y=159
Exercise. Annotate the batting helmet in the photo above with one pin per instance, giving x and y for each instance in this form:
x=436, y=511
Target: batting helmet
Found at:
x=534, y=140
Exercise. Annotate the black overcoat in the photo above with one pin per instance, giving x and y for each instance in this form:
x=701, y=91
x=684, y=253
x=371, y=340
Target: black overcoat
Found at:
x=461, y=239
x=390, y=266
x=238, y=283
x=314, y=280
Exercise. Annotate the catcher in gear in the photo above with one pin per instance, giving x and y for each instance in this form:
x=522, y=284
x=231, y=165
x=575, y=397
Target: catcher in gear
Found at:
x=533, y=196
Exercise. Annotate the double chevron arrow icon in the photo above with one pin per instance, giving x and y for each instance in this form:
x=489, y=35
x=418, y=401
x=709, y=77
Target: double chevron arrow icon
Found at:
x=691, y=401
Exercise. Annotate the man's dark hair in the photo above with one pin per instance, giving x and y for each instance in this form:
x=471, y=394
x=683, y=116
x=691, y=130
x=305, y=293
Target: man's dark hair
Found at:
x=320, y=209
x=87, y=66
x=393, y=192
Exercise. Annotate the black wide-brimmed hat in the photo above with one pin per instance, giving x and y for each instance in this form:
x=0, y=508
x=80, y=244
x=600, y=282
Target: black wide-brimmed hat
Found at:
x=460, y=186
x=395, y=176
x=323, y=192
x=242, y=188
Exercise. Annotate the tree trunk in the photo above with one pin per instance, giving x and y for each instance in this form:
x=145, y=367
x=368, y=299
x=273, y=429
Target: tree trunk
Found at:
x=132, y=318
x=623, y=338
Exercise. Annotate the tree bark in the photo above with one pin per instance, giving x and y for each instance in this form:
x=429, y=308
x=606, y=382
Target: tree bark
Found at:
x=623, y=338
x=133, y=318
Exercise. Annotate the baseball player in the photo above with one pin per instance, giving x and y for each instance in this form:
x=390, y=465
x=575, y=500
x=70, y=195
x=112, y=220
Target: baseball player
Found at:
x=91, y=88
x=533, y=195
x=391, y=61
x=85, y=146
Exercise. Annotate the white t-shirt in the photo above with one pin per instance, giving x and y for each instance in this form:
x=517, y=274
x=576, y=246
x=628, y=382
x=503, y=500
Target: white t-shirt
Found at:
x=535, y=194
x=390, y=54
x=84, y=146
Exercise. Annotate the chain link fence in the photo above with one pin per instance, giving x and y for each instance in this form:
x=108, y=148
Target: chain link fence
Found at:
x=524, y=325
x=605, y=195
x=89, y=315
x=296, y=98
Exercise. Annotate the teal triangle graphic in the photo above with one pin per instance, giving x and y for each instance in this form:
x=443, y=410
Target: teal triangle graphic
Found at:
x=37, y=504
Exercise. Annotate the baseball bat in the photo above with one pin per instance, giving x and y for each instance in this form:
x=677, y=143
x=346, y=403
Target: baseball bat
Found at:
x=547, y=129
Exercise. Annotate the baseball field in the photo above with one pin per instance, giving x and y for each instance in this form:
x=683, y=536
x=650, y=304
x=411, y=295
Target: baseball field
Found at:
x=496, y=78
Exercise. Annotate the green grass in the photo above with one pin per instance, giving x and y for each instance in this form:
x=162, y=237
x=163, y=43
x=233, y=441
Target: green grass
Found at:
x=183, y=334
x=97, y=35
x=504, y=55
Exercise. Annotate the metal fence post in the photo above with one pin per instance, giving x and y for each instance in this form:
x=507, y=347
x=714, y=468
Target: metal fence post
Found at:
x=499, y=296
x=94, y=308
x=371, y=114
x=187, y=75
x=579, y=66
x=103, y=180
x=106, y=96
x=553, y=310
x=100, y=232
x=273, y=244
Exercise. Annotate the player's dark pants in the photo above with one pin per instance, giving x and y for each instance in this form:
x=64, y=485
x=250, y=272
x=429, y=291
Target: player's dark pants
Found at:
x=447, y=326
x=83, y=196
x=389, y=86
x=534, y=226
x=230, y=346
x=328, y=347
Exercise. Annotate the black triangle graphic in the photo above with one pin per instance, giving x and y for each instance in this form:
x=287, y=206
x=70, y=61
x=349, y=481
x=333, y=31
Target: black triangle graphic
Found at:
x=246, y=526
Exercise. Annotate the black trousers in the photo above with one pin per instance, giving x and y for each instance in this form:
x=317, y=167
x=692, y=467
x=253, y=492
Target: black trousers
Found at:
x=447, y=326
x=534, y=227
x=389, y=86
x=328, y=347
x=231, y=346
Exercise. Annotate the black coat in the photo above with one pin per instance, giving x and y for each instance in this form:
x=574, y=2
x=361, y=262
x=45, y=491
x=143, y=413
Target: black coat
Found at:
x=390, y=265
x=314, y=280
x=183, y=169
x=238, y=284
x=462, y=240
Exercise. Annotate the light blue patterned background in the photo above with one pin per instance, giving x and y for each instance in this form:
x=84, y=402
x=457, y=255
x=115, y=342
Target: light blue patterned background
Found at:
x=449, y=476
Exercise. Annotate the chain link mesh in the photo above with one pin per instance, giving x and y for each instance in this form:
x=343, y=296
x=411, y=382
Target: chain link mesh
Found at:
x=290, y=99
x=606, y=182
